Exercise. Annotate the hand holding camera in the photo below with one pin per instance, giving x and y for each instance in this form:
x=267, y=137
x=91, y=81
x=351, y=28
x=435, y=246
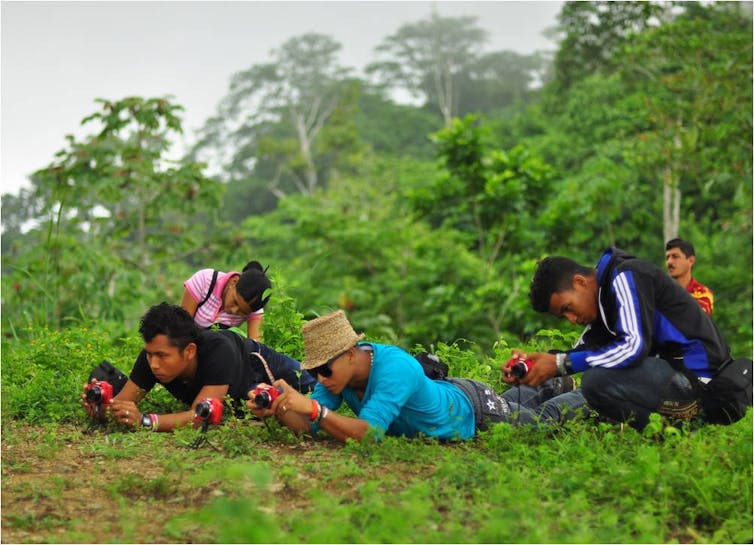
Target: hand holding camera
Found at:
x=277, y=400
x=263, y=395
x=97, y=394
x=530, y=369
x=208, y=411
x=519, y=367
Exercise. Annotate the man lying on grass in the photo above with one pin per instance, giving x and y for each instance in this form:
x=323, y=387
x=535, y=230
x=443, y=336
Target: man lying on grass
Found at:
x=389, y=393
x=194, y=365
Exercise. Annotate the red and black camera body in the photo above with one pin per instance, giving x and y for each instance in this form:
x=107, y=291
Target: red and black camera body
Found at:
x=209, y=410
x=519, y=367
x=99, y=392
x=263, y=396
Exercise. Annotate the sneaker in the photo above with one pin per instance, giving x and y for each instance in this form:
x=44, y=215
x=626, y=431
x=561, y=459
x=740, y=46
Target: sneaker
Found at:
x=681, y=410
x=556, y=386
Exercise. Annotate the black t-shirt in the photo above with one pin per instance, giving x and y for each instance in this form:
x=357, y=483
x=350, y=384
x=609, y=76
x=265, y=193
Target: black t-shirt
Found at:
x=224, y=357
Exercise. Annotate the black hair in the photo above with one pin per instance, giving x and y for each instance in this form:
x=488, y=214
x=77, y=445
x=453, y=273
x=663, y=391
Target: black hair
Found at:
x=553, y=275
x=684, y=245
x=172, y=321
x=252, y=284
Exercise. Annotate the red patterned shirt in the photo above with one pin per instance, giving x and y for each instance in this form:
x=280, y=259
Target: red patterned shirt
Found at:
x=702, y=294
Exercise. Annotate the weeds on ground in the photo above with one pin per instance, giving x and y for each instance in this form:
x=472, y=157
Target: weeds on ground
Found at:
x=255, y=481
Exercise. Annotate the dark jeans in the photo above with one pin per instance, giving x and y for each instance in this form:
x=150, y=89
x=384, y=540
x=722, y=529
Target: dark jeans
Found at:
x=521, y=404
x=536, y=410
x=281, y=366
x=631, y=394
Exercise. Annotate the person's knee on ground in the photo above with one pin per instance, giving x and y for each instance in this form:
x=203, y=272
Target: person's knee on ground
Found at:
x=603, y=393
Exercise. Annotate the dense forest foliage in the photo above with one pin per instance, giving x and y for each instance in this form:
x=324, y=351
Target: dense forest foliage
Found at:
x=424, y=222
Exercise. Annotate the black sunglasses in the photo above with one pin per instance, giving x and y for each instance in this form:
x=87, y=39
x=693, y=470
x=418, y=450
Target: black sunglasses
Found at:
x=324, y=370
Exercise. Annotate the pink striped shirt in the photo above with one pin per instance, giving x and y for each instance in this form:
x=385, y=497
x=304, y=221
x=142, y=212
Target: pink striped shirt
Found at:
x=212, y=312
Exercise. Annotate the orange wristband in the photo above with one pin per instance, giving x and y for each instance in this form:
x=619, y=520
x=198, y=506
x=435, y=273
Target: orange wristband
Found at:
x=315, y=410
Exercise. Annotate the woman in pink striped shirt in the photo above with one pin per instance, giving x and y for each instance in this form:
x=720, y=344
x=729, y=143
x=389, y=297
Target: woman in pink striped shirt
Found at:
x=228, y=299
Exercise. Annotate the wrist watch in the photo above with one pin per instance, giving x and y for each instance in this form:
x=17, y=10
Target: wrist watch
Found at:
x=562, y=363
x=145, y=420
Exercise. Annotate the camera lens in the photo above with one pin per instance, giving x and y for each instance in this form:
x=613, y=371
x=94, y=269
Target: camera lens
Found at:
x=94, y=394
x=262, y=400
x=519, y=369
x=203, y=409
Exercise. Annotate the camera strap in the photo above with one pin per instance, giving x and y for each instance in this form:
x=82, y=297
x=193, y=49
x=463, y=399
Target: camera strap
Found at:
x=211, y=287
x=266, y=367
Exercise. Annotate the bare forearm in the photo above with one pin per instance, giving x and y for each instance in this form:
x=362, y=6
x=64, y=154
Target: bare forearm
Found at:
x=344, y=427
x=340, y=427
x=296, y=412
x=170, y=421
x=296, y=422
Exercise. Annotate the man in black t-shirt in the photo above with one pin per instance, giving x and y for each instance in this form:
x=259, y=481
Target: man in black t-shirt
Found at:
x=194, y=365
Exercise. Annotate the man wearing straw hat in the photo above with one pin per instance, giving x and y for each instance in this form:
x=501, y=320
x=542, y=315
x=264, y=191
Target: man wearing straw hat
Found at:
x=389, y=393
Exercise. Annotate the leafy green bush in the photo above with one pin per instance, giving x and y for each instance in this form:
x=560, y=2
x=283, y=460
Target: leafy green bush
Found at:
x=43, y=374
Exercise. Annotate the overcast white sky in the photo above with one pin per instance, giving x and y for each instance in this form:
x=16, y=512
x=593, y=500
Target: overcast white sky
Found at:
x=57, y=57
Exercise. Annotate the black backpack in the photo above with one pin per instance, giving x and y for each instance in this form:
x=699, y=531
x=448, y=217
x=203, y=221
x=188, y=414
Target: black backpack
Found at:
x=107, y=371
x=726, y=397
x=433, y=366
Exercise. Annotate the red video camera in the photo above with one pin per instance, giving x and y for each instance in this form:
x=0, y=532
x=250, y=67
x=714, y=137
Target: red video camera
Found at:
x=99, y=392
x=209, y=410
x=263, y=396
x=518, y=367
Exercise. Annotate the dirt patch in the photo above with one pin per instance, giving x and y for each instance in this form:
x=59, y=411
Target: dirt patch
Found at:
x=65, y=485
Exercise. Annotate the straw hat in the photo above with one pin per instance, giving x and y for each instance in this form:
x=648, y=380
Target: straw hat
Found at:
x=326, y=337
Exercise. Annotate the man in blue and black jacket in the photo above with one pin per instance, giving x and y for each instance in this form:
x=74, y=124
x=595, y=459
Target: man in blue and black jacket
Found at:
x=646, y=344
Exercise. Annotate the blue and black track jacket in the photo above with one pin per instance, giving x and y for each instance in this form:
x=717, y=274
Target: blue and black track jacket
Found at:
x=644, y=312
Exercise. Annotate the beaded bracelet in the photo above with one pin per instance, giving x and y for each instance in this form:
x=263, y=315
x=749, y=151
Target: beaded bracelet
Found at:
x=316, y=411
x=155, y=421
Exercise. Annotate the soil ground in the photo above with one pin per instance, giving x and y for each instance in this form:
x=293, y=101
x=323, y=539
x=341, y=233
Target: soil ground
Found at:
x=60, y=485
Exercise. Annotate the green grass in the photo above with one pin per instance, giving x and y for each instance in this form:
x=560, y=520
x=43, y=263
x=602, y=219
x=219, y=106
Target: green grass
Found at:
x=586, y=482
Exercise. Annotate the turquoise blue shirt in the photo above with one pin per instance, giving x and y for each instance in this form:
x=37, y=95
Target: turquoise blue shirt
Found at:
x=400, y=400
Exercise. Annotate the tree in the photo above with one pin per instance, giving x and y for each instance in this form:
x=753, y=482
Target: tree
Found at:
x=278, y=116
x=593, y=32
x=356, y=246
x=18, y=211
x=695, y=76
x=391, y=129
x=428, y=59
x=499, y=79
x=647, y=143
x=112, y=212
x=492, y=198
x=484, y=192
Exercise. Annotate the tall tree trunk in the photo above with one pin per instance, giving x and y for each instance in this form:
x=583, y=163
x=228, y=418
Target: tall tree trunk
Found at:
x=671, y=205
x=308, y=126
x=671, y=196
x=142, y=239
x=444, y=89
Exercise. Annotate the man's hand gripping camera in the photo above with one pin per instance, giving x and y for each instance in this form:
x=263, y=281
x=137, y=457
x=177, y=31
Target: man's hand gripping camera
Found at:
x=98, y=393
x=207, y=411
x=518, y=367
x=263, y=396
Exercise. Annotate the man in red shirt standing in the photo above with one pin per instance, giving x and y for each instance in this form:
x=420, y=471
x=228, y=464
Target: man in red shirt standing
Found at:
x=679, y=259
